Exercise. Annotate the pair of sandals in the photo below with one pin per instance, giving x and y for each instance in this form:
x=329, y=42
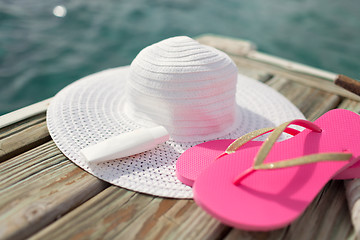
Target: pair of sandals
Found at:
x=255, y=185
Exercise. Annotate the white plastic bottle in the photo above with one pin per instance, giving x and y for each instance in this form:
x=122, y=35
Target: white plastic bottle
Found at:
x=127, y=144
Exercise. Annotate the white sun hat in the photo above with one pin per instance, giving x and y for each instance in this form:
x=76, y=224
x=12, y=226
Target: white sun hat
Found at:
x=192, y=90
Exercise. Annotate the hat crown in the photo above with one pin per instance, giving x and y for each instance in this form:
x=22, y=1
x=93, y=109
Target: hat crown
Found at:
x=184, y=86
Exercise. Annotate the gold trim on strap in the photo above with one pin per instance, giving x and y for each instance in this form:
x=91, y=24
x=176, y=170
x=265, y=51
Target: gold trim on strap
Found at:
x=254, y=134
x=313, y=158
x=246, y=138
x=269, y=143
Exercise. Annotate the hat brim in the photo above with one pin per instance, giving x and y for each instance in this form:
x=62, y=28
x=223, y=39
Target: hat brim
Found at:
x=90, y=110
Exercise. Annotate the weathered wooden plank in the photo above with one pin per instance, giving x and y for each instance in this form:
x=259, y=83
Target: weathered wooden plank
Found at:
x=251, y=61
x=20, y=138
x=352, y=187
x=24, y=113
x=231, y=46
x=50, y=188
x=262, y=76
x=312, y=102
x=19, y=169
x=100, y=217
x=164, y=218
x=161, y=219
x=21, y=125
x=238, y=47
x=311, y=81
x=147, y=224
x=350, y=105
x=197, y=225
x=326, y=218
x=33, y=199
x=291, y=66
x=181, y=219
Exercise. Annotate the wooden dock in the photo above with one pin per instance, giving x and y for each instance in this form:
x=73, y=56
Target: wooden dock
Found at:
x=46, y=196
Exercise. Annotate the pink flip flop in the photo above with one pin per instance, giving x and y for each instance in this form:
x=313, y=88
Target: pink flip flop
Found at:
x=273, y=188
x=191, y=163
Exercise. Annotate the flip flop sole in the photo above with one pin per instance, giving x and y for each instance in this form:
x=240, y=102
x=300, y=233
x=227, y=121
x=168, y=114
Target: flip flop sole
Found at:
x=194, y=160
x=273, y=198
x=266, y=200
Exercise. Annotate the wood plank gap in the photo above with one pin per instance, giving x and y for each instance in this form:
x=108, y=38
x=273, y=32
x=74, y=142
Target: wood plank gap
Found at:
x=174, y=219
x=30, y=205
x=146, y=224
x=317, y=222
x=29, y=158
x=161, y=219
x=256, y=235
x=224, y=233
x=265, y=77
x=22, y=125
x=311, y=102
x=52, y=164
x=24, y=113
x=22, y=141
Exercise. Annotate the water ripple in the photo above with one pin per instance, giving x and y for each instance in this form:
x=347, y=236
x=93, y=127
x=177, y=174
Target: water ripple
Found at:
x=43, y=49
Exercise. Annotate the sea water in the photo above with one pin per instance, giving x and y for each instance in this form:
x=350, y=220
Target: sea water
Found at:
x=46, y=45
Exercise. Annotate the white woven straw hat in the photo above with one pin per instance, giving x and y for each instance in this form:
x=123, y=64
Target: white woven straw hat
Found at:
x=193, y=90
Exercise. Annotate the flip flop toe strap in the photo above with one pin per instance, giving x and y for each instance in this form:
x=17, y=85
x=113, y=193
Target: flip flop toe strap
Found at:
x=313, y=158
x=241, y=141
x=269, y=143
x=257, y=133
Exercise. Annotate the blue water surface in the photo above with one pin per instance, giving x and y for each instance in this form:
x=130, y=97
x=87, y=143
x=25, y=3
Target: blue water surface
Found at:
x=40, y=53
